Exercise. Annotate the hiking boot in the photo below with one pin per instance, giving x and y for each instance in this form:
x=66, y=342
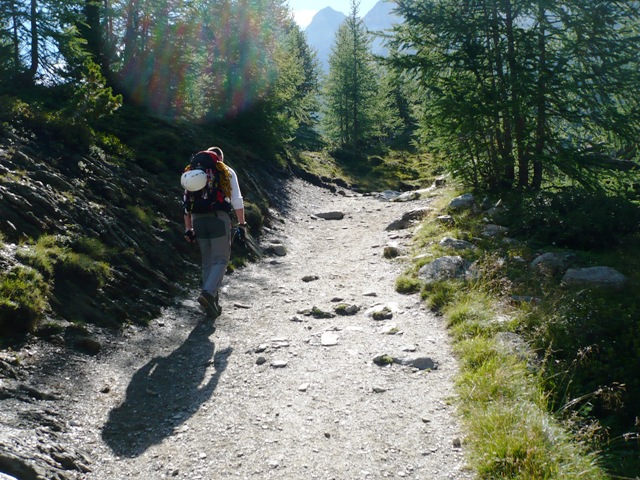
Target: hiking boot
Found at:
x=209, y=304
x=216, y=304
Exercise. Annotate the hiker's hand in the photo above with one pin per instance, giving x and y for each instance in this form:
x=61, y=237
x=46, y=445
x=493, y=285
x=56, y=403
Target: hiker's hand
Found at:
x=190, y=235
x=241, y=232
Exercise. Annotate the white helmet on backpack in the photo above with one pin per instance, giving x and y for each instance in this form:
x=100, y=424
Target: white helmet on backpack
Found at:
x=193, y=180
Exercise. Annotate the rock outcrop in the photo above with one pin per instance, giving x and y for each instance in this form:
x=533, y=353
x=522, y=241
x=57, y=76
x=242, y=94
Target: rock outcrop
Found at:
x=105, y=215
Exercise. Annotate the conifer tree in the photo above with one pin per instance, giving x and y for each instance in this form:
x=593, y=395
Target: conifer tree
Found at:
x=33, y=36
x=516, y=89
x=351, y=87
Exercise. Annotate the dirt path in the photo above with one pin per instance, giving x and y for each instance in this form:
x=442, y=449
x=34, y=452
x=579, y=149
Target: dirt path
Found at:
x=259, y=395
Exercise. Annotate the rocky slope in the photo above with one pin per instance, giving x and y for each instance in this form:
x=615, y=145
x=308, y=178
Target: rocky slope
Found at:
x=80, y=201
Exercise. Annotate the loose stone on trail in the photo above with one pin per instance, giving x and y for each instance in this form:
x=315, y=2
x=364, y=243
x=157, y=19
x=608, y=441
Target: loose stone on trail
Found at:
x=328, y=339
x=391, y=329
x=344, y=309
x=419, y=363
x=335, y=215
x=382, y=311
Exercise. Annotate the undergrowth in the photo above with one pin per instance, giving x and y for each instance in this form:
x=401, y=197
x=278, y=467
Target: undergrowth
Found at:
x=548, y=384
x=27, y=288
x=371, y=171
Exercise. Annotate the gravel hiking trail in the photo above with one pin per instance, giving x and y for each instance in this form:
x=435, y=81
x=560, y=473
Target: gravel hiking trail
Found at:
x=280, y=387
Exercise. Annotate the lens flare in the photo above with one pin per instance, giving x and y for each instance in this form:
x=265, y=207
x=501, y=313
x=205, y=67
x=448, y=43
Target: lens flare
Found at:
x=212, y=68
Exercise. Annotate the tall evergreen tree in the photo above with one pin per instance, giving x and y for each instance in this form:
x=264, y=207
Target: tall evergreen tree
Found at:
x=351, y=87
x=517, y=88
x=307, y=102
x=9, y=50
x=33, y=36
x=386, y=122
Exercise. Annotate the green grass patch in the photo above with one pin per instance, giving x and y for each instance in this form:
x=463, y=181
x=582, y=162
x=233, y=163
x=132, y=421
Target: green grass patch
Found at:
x=408, y=285
x=23, y=300
x=438, y=295
x=524, y=417
x=471, y=314
x=373, y=171
x=59, y=258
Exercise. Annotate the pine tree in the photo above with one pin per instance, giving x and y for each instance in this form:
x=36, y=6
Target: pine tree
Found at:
x=33, y=36
x=515, y=89
x=351, y=87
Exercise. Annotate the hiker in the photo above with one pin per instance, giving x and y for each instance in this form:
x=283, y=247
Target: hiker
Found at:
x=207, y=220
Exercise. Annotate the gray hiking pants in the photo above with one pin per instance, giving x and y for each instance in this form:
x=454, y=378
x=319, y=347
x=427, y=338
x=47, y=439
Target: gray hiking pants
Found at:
x=213, y=232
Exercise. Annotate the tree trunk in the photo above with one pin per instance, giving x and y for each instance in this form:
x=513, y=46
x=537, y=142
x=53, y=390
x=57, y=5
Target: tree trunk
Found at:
x=30, y=74
x=92, y=32
x=16, y=41
x=131, y=33
x=514, y=80
x=541, y=117
x=505, y=138
x=355, y=92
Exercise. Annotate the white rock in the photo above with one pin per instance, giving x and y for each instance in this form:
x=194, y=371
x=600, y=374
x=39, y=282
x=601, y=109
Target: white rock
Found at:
x=328, y=339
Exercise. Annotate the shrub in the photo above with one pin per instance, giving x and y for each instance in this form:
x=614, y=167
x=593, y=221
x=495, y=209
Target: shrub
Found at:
x=597, y=333
x=574, y=218
x=23, y=293
x=90, y=272
x=92, y=247
x=42, y=256
x=143, y=214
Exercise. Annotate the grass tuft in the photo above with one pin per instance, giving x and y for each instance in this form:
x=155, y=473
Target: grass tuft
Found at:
x=508, y=397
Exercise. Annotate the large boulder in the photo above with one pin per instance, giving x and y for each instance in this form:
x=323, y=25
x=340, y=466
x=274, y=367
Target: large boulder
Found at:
x=492, y=230
x=602, y=277
x=444, y=268
x=551, y=263
x=455, y=244
x=408, y=219
x=463, y=202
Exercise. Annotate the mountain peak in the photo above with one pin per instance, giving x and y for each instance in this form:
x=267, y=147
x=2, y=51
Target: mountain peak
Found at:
x=326, y=10
x=322, y=29
x=327, y=14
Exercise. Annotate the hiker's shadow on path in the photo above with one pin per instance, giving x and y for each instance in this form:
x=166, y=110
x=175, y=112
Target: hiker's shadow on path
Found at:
x=164, y=393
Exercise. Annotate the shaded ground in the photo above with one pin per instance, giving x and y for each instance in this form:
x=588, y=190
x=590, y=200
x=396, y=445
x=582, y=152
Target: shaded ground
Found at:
x=269, y=392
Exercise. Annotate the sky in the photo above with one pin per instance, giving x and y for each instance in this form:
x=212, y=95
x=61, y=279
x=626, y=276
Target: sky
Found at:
x=304, y=10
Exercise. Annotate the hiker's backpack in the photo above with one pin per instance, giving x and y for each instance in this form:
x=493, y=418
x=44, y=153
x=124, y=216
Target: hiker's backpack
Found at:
x=211, y=197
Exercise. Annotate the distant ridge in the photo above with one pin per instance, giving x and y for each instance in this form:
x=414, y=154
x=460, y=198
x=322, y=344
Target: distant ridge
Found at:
x=379, y=19
x=321, y=33
x=324, y=25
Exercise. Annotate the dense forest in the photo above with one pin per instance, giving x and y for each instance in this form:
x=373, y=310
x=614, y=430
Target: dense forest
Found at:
x=536, y=102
